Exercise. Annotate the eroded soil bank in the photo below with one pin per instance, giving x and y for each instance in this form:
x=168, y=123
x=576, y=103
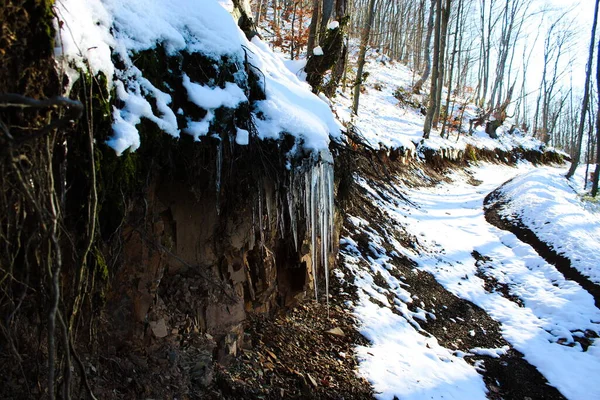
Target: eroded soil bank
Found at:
x=494, y=204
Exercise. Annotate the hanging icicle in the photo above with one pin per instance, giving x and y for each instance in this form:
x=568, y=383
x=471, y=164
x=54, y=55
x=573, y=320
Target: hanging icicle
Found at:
x=315, y=190
x=308, y=195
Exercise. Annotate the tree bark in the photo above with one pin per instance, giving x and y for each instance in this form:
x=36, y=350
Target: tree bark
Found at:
x=326, y=15
x=419, y=85
x=441, y=63
x=364, y=42
x=434, y=73
x=586, y=96
x=449, y=109
x=312, y=29
x=597, y=172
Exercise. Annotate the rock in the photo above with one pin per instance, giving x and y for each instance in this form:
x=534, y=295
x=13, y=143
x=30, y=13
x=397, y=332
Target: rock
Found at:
x=202, y=371
x=336, y=332
x=159, y=328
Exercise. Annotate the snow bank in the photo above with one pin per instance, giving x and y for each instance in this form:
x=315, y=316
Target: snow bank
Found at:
x=96, y=32
x=548, y=205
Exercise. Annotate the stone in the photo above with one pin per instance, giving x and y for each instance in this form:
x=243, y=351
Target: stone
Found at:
x=159, y=328
x=336, y=332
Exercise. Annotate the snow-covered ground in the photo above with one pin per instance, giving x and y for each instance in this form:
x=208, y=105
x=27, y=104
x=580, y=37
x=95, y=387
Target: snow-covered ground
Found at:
x=553, y=208
x=555, y=309
x=450, y=225
x=383, y=120
x=543, y=315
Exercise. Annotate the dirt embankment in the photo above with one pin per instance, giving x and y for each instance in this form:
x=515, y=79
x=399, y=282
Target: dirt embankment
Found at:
x=493, y=205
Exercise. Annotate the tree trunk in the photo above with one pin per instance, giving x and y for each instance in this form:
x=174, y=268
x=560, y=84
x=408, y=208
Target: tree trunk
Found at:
x=597, y=172
x=327, y=11
x=312, y=30
x=364, y=42
x=427, y=56
x=441, y=63
x=449, y=109
x=586, y=98
x=435, y=71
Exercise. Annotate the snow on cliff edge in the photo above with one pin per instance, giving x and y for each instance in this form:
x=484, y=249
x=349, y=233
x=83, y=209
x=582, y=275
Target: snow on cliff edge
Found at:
x=95, y=32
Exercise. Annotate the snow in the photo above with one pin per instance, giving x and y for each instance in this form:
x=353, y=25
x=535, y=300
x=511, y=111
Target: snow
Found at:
x=290, y=106
x=385, y=122
x=448, y=221
x=549, y=205
x=401, y=361
x=333, y=25
x=213, y=98
x=450, y=224
x=452, y=216
x=210, y=99
x=318, y=51
x=95, y=32
x=242, y=137
x=494, y=353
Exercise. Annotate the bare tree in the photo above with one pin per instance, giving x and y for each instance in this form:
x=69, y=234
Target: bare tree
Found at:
x=426, y=47
x=364, y=42
x=312, y=30
x=441, y=62
x=584, y=105
x=435, y=71
x=597, y=171
x=454, y=46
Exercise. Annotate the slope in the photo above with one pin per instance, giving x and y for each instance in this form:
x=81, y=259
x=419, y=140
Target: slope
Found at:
x=454, y=307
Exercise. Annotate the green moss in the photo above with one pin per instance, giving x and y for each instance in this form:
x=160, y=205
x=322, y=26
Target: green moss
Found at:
x=588, y=198
x=47, y=25
x=470, y=154
x=101, y=265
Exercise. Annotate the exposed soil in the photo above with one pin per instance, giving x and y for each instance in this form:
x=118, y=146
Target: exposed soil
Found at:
x=491, y=284
x=297, y=356
x=494, y=203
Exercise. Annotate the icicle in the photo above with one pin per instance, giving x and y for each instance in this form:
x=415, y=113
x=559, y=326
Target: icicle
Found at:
x=311, y=191
x=313, y=228
x=277, y=207
x=269, y=204
x=219, y=167
x=260, y=215
x=292, y=212
x=252, y=241
x=324, y=241
x=280, y=217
